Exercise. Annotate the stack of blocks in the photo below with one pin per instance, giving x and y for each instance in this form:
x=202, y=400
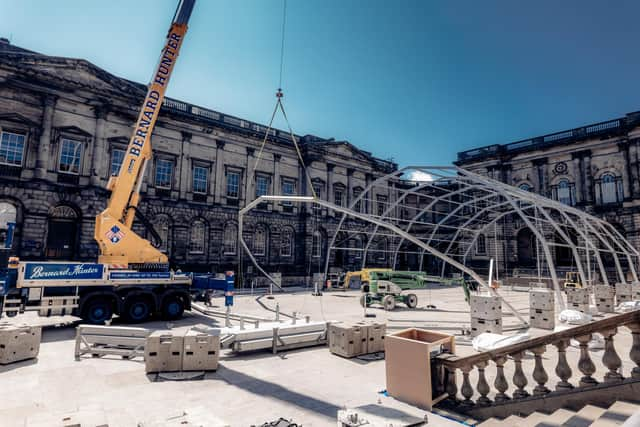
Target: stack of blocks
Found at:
x=605, y=296
x=355, y=339
x=486, y=314
x=189, y=351
x=19, y=343
x=578, y=299
x=627, y=292
x=541, y=309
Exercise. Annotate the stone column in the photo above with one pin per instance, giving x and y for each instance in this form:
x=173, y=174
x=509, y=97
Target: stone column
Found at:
x=185, y=157
x=330, y=183
x=277, y=185
x=100, y=163
x=588, y=178
x=349, y=195
x=44, y=145
x=623, y=146
x=577, y=173
x=368, y=204
x=219, y=190
x=250, y=193
x=540, y=171
x=633, y=161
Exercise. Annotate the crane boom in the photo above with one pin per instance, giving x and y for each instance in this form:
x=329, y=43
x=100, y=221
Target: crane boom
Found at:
x=118, y=244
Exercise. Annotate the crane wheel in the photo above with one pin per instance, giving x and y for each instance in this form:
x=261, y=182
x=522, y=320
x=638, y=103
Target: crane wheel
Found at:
x=389, y=302
x=411, y=300
x=136, y=309
x=172, y=307
x=97, y=311
x=364, y=286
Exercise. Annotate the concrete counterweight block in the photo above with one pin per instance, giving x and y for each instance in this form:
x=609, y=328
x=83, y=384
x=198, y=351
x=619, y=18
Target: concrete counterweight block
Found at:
x=201, y=351
x=605, y=298
x=486, y=314
x=19, y=343
x=347, y=340
x=163, y=352
x=375, y=333
x=623, y=292
x=488, y=307
x=542, y=299
x=542, y=319
x=578, y=299
x=479, y=326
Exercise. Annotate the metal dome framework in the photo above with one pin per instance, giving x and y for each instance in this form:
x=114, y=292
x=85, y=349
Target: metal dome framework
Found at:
x=442, y=212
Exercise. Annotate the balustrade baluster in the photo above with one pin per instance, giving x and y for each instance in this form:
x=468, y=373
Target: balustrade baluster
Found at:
x=519, y=378
x=500, y=383
x=483, y=386
x=466, y=390
x=610, y=358
x=634, y=353
x=539, y=374
x=452, y=388
x=563, y=370
x=585, y=364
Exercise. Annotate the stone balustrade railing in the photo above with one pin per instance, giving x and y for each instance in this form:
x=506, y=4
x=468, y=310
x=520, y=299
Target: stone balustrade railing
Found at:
x=463, y=397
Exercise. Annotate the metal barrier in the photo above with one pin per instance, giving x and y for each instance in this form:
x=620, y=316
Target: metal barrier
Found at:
x=98, y=341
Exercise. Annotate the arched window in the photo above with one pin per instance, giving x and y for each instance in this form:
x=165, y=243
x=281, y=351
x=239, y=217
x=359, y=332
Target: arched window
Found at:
x=564, y=192
x=316, y=244
x=197, y=237
x=230, y=239
x=286, y=242
x=481, y=245
x=161, y=225
x=8, y=214
x=62, y=233
x=260, y=241
x=608, y=189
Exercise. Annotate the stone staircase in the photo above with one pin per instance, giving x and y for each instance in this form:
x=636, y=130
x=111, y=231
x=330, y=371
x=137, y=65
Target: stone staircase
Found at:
x=617, y=414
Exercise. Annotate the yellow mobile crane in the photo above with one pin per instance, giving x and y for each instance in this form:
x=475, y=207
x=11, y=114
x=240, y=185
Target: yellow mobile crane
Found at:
x=119, y=245
x=131, y=278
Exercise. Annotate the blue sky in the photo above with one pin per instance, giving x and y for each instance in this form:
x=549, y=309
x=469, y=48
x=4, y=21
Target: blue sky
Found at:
x=416, y=81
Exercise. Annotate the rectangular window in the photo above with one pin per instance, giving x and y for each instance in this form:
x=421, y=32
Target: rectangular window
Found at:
x=358, y=206
x=117, y=156
x=70, y=155
x=233, y=184
x=200, y=179
x=288, y=189
x=317, y=188
x=164, y=173
x=337, y=197
x=481, y=245
x=262, y=185
x=11, y=148
x=382, y=204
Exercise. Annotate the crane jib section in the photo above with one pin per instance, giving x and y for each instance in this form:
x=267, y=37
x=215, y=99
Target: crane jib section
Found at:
x=154, y=97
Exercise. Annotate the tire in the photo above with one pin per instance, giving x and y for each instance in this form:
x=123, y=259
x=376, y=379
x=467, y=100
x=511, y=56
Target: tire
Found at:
x=97, y=311
x=389, y=302
x=136, y=309
x=364, y=286
x=411, y=300
x=172, y=307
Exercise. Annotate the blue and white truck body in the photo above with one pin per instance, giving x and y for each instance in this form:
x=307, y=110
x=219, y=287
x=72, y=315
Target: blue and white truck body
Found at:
x=96, y=292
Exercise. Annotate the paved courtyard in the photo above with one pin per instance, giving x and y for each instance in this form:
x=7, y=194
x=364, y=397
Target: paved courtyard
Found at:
x=307, y=385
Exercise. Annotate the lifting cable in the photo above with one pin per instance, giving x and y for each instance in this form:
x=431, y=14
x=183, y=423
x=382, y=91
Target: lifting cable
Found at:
x=280, y=106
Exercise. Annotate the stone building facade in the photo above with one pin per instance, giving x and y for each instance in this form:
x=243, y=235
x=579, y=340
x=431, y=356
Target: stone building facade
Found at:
x=595, y=168
x=64, y=126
